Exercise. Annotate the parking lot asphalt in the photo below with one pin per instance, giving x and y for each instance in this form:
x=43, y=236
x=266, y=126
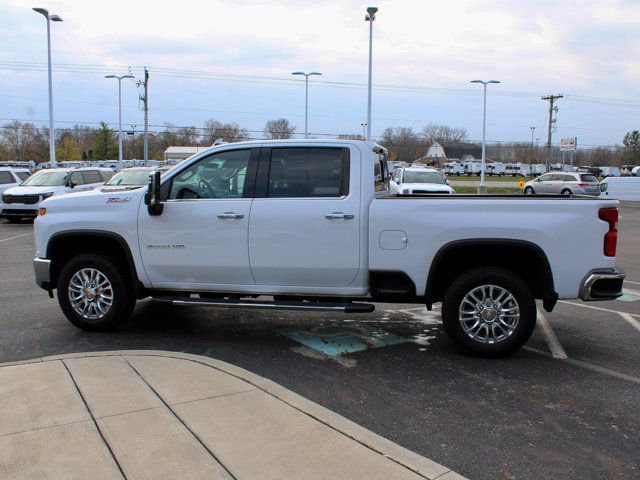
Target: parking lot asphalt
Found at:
x=533, y=415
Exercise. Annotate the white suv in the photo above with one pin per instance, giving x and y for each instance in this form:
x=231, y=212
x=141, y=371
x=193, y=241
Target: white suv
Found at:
x=24, y=200
x=12, y=177
x=417, y=180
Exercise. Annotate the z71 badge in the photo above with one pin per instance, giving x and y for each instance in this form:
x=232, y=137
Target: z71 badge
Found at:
x=118, y=199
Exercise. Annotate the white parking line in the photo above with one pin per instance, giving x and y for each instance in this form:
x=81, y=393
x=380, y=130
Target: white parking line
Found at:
x=591, y=366
x=595, y=308
x=17, y=236
x=552, y=341
x=629, y=281
x=632, y=321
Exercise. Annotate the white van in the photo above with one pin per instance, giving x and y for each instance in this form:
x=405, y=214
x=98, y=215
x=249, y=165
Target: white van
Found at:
x=622, y=188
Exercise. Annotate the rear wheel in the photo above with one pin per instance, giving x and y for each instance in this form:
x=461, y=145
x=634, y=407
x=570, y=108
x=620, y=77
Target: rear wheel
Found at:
x=529, y=191
x=566, y=191
x=95, y=292
x=489, y=312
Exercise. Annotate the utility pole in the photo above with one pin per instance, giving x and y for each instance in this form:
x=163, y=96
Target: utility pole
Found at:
x=145, y=98
x=552, y=110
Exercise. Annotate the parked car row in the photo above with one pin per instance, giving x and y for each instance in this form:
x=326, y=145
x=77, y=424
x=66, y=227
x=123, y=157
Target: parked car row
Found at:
x=22, y=193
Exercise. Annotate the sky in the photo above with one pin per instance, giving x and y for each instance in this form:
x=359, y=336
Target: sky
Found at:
x=231, y=60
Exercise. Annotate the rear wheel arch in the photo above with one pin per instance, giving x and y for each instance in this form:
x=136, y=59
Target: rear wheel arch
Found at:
x=523, y=258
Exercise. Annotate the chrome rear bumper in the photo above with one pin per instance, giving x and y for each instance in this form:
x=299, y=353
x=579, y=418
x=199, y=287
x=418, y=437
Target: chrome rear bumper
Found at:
x=602, y=285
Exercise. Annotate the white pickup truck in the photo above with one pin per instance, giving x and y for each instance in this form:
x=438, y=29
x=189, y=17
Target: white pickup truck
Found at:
x=311, y=224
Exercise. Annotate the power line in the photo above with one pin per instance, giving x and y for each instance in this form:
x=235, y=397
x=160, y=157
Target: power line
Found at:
x=261, y=79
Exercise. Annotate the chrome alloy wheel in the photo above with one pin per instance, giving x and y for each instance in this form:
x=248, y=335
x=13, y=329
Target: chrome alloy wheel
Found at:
x=90, y=293
x=489, y=314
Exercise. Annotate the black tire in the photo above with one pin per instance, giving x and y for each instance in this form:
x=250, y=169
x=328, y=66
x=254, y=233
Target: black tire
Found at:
x=566, y=191
x=123, y=299
x=500, y=277
x=529, y=191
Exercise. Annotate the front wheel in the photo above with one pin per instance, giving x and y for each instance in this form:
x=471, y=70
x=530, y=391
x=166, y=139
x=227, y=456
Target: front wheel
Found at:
x=489, y=312
x=529, y=191
x=95, y=292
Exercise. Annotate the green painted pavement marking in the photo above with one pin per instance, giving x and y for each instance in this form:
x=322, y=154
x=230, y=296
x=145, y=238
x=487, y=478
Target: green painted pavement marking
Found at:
x=629, y=295
x=338, y=340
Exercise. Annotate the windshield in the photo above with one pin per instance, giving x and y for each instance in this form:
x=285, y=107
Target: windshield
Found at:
x=46, y=178
x=132, y=178
x=422, y=177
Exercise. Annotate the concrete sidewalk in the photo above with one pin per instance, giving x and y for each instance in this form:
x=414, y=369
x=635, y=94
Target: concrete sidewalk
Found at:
x=144, y=414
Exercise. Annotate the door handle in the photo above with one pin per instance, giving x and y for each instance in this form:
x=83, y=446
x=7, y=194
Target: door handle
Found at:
x=230, y=215
x=339, y=216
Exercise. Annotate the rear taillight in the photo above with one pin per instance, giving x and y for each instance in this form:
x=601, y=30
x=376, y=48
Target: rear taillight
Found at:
x=583, y=184
x=610, y=215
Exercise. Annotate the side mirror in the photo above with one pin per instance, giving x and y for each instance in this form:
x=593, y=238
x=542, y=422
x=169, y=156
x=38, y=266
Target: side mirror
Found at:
x=69, y=183
x=448, y=182
x=152, y=197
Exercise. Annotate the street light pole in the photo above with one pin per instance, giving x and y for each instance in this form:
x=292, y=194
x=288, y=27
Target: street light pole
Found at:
x=119, y=110
x=482, y=189
x=306, y=99
x=52, y=136
x=370, y=17
x=533, y=129
x=364, y=130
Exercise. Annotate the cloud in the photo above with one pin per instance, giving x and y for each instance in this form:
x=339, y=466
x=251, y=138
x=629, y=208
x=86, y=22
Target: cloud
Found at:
x=530, y=46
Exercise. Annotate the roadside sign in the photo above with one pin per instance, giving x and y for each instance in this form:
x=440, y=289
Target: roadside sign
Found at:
x=521, y=183
x=568, y=144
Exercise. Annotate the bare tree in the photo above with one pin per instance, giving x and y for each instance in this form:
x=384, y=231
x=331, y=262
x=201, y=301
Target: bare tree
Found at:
x=229, y=132
x=403, y=144
x=18, y=139
x=278, y=129
x=188, y=135
x=443, y=134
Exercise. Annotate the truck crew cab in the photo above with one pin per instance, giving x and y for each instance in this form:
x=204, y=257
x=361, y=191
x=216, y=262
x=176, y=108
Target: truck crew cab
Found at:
x=311, y=224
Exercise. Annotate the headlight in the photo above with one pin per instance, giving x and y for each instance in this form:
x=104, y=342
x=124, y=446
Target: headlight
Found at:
x=46, y=195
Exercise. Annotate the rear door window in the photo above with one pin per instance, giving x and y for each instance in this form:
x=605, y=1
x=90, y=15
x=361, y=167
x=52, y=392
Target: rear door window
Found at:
x=569, y=178
x=6, y=177
x=91, y=176
x=308, y=172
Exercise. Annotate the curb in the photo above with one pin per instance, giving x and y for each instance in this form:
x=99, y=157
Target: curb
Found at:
x=412, y=461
